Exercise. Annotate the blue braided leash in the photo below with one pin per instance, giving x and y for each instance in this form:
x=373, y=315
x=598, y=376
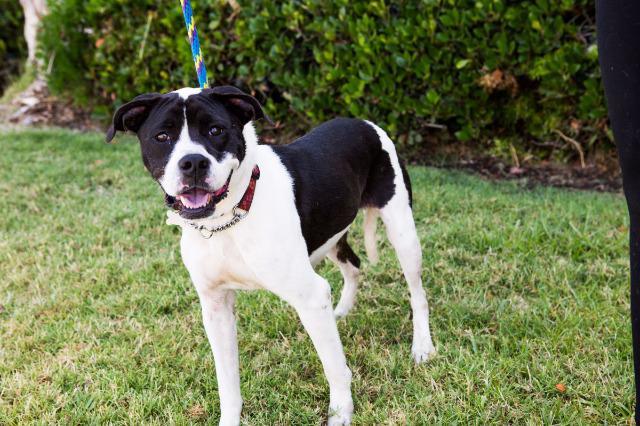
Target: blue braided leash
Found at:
x=196, y=52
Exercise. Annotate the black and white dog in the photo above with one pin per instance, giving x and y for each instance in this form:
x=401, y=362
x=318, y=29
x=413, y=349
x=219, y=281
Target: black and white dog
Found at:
x=261, y=217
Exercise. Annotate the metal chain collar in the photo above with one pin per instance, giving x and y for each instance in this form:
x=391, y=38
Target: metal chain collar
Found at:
x=208, y=232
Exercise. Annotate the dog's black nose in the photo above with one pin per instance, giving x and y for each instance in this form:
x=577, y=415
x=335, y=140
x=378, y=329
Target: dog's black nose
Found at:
x=193, y=164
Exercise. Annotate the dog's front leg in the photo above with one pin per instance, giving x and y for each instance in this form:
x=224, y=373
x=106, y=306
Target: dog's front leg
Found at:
x=220, y=325
x=315, y=310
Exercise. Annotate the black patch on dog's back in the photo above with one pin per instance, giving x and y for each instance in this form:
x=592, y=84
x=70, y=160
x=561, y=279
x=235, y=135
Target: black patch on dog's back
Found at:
x=380, y=182
x=336, y=168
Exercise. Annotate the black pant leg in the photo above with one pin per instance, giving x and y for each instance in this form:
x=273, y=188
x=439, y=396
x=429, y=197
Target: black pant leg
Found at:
x=618, y=24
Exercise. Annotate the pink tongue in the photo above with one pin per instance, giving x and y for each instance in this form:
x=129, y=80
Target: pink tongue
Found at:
x=195, y=199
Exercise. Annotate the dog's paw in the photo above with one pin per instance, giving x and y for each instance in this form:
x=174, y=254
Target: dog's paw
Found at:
x=340, y=416
x=423, y=350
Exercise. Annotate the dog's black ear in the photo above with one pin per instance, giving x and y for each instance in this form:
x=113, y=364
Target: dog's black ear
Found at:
x=131, y=115
x=245, y=106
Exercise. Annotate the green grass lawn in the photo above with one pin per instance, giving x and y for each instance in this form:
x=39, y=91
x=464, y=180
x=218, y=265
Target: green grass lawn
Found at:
x=100, y=324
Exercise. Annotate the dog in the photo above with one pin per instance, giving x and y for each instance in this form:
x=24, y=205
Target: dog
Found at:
x=257, y=216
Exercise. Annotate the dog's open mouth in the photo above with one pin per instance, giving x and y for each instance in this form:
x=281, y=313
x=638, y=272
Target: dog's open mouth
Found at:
x=195, y=198
x=198, y=202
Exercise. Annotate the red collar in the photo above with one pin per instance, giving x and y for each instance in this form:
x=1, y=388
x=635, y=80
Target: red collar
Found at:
x=247, y=198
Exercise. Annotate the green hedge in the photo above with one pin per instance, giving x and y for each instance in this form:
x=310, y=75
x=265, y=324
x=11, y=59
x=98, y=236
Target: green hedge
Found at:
x=13, y=48
x=511, y=75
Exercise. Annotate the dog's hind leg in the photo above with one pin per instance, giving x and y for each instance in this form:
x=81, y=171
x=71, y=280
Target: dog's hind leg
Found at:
x=369, y=231
x=402, y=234
x=348, y=263
x=401, y=229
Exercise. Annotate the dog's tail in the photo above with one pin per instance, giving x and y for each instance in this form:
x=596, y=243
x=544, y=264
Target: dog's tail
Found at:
x=370, y=240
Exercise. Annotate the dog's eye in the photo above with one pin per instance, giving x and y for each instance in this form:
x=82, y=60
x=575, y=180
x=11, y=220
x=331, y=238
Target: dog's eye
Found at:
x=215, y=131
x=162, y=137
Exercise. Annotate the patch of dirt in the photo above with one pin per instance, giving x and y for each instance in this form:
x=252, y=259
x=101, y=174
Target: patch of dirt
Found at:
x=37, y=107
x=196, y=412
x=603, y=176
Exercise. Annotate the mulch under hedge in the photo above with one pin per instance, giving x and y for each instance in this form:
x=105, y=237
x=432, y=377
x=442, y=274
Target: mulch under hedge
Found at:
x=603, y=176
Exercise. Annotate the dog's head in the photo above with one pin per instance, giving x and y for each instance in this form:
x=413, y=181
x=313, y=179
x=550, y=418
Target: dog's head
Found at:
x=192, y=142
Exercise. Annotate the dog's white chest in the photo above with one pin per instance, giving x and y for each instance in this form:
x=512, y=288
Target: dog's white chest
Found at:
x=217, y=262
